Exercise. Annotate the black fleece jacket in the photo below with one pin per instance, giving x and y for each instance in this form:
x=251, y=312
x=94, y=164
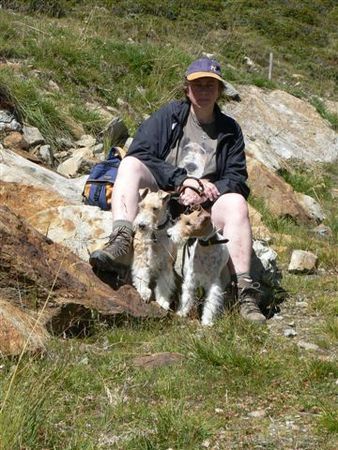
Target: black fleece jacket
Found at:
x=158, y=134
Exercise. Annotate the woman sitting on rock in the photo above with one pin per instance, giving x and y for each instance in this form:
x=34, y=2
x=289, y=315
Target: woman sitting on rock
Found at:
x=184, y=139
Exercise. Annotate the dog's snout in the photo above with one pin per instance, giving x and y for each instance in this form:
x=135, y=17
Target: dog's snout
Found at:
x=142, y=226
x=190, y=167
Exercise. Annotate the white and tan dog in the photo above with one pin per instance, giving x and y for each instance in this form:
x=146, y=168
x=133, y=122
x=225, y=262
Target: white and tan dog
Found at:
x=154, y=252
x=205, y=256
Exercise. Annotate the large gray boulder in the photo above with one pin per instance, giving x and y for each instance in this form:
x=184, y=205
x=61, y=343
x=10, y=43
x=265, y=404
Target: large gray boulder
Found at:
x=278, y=126
x=15, y=168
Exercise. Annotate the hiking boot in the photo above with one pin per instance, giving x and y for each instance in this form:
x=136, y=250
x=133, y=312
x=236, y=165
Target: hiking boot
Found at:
x=248, y=298
x=116, y=253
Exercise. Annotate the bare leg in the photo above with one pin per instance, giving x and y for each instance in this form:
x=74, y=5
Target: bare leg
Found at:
x=132, y=176
x=230, y=215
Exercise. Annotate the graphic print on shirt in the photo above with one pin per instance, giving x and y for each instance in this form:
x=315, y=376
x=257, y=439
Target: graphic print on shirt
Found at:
x=194, y=157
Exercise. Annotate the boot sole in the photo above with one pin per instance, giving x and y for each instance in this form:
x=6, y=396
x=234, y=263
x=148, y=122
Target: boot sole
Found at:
x=101, y=260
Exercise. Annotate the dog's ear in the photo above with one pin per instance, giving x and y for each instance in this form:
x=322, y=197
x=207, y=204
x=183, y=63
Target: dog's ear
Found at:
x=175, y=208
x=144, y=193
x=184, y=142
x=165, y=196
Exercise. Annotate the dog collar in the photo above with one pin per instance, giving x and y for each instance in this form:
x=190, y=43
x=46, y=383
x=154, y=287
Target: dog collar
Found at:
x=213, y=240
x=164, y=224
x=160, y=227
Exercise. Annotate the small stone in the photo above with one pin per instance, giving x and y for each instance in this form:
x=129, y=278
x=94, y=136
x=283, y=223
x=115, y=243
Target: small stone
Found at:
x=157, y=360
x=15, y=140
x=308, y=346
x=323, y=230
x=289, y=332
x=53, y=86
x=61, y=155
x=5, y=116
x=86, y=141
x=64, y=143
x=116, y=132
x=98, y=148
x=311, y=206
x=291, y=425
x=302, y=304
x=219, y=410
x=258, y=413
x=249, y=63
x=69, y=167
x=46, y=154
x=8, y=121
x=32, y=136
x=291, y=324
x=208, y=55
x=206, y=444
x=303, y=262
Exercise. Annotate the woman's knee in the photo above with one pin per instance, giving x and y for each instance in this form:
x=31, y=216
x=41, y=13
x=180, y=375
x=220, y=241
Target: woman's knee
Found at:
x=231, y=207
x=133, y=170
x=132, y=165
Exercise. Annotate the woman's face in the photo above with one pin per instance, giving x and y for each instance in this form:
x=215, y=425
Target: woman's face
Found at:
x=204, y=92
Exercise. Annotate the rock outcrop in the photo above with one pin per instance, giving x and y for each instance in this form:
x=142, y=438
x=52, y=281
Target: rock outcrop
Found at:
x=15, y=168
x=20, y=330
x=279, y=197
x=278, y=126
x=37, y=274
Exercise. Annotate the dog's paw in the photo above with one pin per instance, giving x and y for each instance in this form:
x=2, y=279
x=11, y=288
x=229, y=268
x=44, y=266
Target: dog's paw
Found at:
x=145, y=294
x=182, y=313
x=164, y=303
x=206, y=322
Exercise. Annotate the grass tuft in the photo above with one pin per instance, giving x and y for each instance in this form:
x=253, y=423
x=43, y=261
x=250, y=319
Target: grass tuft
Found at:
x=329, y=421
x=321, y=109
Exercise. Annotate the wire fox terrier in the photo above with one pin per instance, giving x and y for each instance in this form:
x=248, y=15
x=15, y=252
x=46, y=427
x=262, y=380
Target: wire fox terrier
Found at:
x=154, y=252
x=204, y=261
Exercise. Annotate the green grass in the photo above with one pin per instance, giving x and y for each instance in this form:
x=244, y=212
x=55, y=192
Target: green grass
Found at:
x=138, y=51
x=328, y=420
x=312, y=181
x=330, y=117
x=86, y=392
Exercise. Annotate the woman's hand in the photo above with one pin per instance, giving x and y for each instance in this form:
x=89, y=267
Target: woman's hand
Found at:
x=190, y=197
x=210, y=190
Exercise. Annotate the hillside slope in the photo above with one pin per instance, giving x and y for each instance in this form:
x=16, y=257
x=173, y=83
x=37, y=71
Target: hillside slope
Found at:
x=58, y=55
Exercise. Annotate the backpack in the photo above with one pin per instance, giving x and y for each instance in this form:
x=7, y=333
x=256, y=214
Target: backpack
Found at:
x=99, y=185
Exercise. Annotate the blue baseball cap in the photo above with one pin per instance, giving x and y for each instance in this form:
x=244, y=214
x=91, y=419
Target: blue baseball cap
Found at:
x=204, y=67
